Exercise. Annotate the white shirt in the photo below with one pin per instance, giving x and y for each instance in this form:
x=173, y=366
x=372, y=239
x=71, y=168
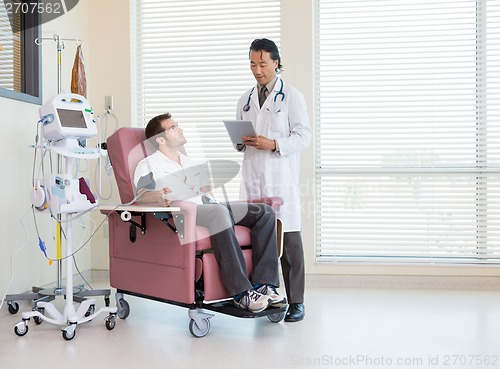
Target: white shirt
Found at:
x=184, y=180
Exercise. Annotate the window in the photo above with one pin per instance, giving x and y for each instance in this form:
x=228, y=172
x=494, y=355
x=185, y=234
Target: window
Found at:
x=19, y=55
x=192, y=61
x=408, y=131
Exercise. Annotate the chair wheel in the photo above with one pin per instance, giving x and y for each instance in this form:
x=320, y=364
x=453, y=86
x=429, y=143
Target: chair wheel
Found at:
x=276, y=318
x=123, y=309
x=198, y=331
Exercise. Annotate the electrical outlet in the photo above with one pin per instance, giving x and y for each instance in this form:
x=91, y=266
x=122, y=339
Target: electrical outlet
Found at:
x=108, y=102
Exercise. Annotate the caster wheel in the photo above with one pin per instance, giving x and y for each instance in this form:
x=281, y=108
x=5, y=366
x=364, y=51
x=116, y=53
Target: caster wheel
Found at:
x=13, y=307
x=123, y=309
x=199, y=331
x=276, y=318
x=21, y=329
x=37, y=320
x=90, y=311
x=69, y=333
x=110, y=323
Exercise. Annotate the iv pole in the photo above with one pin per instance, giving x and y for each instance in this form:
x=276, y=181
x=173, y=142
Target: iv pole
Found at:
x=60, y=47
x=86, y=311
x=38, y=293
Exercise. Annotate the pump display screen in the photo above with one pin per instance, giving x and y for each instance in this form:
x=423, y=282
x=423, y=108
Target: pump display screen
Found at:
x=71, y=118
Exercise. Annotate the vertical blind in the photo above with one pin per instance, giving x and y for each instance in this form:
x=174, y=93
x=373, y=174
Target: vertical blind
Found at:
x=10, y=53
x=191, y=59
x=408, y=131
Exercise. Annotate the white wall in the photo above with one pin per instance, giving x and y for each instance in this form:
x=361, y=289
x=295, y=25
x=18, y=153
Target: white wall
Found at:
x=110, y=60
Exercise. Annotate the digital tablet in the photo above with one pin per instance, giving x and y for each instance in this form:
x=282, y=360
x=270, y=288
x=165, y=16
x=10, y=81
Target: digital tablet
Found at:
x=239, y=128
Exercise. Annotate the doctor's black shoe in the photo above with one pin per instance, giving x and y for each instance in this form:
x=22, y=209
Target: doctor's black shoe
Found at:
x=295, y=313
x=272, y=293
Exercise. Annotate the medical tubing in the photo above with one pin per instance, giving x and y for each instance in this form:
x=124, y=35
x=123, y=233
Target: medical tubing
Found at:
x=37, y=137
x=80, y=273
x=97, y=171
x=60, y=221
x=34, y=221
x=72, y=255
x=42, y=160
x=93, y=262
x=100, y=224
x=26, y=233
x=103, y=128
x=76, y=264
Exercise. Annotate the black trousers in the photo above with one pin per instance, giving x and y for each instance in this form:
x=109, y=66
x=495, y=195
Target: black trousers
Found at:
x=260, y=218
x=292, y=266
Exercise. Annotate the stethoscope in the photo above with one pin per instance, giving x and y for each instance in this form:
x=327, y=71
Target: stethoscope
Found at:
x=246, y=107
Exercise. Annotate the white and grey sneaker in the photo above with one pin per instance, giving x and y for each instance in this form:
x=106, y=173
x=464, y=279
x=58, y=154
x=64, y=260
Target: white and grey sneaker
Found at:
x=272, y=293
x=252, y=301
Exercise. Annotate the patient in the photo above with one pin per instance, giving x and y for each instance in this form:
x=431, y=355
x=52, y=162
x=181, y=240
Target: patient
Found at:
x=168, y=175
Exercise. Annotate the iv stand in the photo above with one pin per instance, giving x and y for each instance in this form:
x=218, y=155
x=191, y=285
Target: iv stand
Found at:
x=70, y=316
x=41, y=297
x=38, y=293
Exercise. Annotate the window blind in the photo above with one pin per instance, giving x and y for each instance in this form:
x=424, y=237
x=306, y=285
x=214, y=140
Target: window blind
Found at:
x=408, y=131
x=192, y=61
x=10, y=53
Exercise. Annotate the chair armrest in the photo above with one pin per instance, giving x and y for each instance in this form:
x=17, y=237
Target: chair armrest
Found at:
x=106, y=209
x=185, y=212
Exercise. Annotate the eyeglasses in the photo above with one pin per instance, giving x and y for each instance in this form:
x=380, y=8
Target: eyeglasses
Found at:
x=172, y=128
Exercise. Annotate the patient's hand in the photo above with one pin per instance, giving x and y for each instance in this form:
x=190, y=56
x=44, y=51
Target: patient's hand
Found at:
x=166, y=197
x=161, y=197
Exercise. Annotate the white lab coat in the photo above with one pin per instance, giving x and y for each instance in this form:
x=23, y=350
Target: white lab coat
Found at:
x=267, y=173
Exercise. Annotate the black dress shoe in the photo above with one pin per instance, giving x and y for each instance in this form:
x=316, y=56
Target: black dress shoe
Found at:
x=295, y=313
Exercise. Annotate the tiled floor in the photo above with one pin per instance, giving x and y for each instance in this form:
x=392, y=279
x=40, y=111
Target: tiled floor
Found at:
x=344, y=328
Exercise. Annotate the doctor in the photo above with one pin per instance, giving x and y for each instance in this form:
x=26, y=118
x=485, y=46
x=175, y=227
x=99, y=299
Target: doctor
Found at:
x=271, y=160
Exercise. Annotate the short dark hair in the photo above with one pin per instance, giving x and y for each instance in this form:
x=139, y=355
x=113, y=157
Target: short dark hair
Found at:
x=154, y=127
x=264, y=44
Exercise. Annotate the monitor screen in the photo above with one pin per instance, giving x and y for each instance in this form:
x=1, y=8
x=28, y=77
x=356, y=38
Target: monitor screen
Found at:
x=71, y=118
x=67, y=116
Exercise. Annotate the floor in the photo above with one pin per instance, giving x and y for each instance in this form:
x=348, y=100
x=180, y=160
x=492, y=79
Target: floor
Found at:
x=344, y=328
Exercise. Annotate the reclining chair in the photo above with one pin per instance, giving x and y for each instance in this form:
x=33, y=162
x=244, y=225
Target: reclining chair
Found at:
x=160, y=253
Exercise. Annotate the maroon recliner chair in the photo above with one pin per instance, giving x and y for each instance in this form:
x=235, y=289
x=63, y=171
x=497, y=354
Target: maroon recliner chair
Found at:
x=160, y=253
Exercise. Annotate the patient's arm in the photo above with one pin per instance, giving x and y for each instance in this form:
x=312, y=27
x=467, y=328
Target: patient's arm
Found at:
x=159, y=197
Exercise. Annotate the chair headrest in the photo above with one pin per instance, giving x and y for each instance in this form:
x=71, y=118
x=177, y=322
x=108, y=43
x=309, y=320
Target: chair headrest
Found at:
x=126, y=148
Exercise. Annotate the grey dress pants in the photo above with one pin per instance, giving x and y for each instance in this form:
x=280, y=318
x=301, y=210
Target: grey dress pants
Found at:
x=292, y=266
x=260, y=218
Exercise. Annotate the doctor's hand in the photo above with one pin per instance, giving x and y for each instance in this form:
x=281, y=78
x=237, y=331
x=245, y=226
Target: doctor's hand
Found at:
x=260, y=142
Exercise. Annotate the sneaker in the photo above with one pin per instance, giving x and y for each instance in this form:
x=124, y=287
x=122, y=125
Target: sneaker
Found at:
x=272, y=293
x=252, y=301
